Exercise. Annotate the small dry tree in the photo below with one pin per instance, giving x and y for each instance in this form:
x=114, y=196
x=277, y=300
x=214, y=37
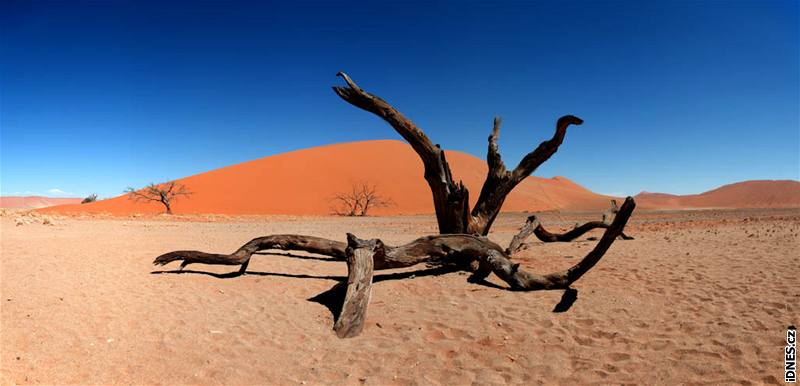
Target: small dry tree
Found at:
x=361, y=198
x=165, y=193
x=89, y=198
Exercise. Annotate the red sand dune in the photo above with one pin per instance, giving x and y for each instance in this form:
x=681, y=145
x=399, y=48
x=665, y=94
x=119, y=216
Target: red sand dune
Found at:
x=304, y=181
x=747, y=194
x=34, y=202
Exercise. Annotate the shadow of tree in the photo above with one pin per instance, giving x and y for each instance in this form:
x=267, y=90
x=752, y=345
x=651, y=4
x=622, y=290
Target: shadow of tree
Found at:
x=333, y=298
x=230, y=275
x=567, y=300
x=295, y=256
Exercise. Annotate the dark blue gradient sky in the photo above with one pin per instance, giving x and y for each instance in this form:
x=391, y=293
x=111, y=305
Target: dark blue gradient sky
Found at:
x=678, y=96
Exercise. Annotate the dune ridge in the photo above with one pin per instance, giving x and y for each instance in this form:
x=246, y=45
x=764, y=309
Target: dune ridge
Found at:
x=304, y=182
x=746, y=194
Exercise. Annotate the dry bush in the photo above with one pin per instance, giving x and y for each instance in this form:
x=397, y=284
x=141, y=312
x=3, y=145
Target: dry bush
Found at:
x=359, y=200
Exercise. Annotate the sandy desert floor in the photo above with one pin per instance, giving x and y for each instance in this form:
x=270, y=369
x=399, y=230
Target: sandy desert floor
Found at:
x=698, y=297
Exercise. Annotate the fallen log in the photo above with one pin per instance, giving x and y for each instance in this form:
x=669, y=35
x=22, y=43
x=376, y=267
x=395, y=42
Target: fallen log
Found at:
x=365, y=256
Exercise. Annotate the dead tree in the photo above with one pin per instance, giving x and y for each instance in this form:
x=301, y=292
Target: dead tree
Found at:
x=165, y=193
x=462, y=242
x=361, y=198
x=451, y=199
x=534, y=226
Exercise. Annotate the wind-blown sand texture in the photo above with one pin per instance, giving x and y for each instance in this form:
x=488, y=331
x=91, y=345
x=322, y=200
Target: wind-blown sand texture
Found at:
x=698, y=297
x=34, y=202
x=304, y=182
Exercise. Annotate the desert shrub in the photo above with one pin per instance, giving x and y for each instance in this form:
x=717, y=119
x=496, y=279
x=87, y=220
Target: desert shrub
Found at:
x=359, y=200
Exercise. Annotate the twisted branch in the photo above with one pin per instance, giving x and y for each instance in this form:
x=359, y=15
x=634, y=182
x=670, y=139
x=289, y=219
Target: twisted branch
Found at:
x=500, y=182
x=450, y=199
x=534, y=226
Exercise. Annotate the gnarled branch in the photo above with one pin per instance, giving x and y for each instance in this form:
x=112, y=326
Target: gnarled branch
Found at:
x=356, y=96
x=450, y=199
x=534, y=226
x=520, y=280
x=518, y=240
x=500, y=182
x=459, y=249
x=458, y=244
x=318, y=245
x=545, y=150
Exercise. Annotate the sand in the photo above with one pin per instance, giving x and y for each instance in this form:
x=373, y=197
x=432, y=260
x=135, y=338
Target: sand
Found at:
x=746, y=194
x=304, y=182
x=33, y=202
x=698, y=297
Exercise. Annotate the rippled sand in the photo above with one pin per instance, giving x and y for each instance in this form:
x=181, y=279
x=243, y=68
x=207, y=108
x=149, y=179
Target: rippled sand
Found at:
x=700, y=296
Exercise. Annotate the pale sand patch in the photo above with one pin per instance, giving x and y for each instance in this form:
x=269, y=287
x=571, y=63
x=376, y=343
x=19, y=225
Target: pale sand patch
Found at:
x=695, y=298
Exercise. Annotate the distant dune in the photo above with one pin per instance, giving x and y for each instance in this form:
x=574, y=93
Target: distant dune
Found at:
x=304, y=182
x=34, y=202
x=747, y=194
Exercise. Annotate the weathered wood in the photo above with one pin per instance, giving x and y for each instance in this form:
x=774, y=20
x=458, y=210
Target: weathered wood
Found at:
x=435, y=250
x=451, y=199
x=520, y=280
x=359, y=287
x=519, y=239
x=500, y=182
x=458, y=249
x=241, y=256
x=534, y=226
x=572, y=234
x=608, y=215
x=461, y=242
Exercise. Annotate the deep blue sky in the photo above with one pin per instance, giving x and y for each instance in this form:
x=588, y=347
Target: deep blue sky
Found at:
x=677, y=96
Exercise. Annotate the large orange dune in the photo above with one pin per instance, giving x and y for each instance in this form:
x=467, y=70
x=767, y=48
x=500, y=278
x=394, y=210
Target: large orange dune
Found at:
x=747, y=194
x=303, y=183
x=34, y=202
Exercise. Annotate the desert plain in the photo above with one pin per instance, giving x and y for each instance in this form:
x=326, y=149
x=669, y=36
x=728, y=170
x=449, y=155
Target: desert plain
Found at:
x=699, y=297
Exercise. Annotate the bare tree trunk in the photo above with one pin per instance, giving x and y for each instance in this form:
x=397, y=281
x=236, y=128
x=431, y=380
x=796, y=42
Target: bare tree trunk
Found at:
x=500, y=181
x=360, y=266
x=434, y=250
x=451, y=199
x=364, y=256
x=461, y=242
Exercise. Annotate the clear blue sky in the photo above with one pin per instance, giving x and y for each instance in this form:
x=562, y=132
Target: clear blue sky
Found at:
x=678, y=96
